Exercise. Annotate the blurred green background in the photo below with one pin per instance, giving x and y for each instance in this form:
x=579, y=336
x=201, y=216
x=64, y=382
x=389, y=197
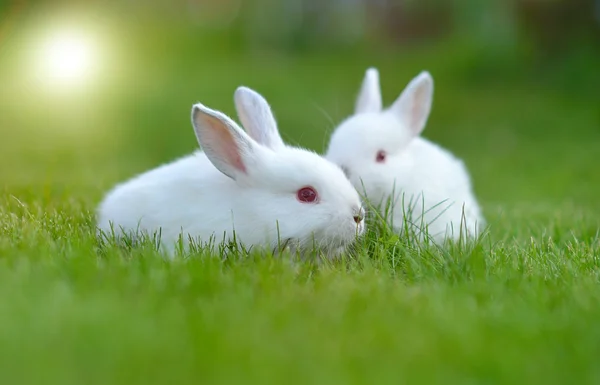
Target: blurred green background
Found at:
x=517, y=86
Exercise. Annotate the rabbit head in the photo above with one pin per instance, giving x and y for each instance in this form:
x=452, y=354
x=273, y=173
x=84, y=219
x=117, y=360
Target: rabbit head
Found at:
x=302, y=197
x=367, y=143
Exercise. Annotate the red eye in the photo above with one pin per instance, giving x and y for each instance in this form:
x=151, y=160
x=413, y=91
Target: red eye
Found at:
x=380, y=157
x=307, y=195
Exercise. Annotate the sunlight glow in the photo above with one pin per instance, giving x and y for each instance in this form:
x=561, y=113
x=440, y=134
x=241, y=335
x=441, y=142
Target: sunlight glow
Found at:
x=67, y=59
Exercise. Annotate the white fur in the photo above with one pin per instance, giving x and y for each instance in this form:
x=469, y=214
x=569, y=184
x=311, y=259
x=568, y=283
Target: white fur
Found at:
x=238, y=185
x=428, y=184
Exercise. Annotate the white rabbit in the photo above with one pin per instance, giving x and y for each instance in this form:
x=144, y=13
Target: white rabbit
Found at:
x=381, y=152
x=238, y=185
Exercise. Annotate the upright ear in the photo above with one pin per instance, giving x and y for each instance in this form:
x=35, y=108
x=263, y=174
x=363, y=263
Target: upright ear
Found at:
x=225, y=144
x=369, y=98
x=257, y=118
x=414, y=104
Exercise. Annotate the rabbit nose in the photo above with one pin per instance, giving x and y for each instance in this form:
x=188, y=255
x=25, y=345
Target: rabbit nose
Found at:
x=358, y=216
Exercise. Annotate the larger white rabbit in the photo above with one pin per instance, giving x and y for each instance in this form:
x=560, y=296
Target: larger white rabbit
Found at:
x=236, y=184
x=384, y=157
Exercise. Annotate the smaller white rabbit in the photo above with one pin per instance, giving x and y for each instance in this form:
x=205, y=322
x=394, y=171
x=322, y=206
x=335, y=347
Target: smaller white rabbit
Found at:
x=269, y=198
x=383, y=155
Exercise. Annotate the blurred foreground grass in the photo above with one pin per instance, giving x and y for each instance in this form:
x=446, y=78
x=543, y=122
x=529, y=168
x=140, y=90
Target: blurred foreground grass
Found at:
x=521, y=307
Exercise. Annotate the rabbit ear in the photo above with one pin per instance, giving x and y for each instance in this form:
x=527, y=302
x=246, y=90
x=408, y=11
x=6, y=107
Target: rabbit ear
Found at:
x=257, y=118
x=414, y=104
x=225, y=144
x=369, y=98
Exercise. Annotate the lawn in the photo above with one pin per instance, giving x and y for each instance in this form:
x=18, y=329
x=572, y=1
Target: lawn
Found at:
x=520, y=306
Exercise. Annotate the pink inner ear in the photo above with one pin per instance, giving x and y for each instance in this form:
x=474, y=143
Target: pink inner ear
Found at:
x=225, y=144
x=415, y=115
x=417, y=107
x=236, y=160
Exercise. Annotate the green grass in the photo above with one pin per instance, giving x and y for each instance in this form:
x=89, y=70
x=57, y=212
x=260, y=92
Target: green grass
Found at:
x=507, y=312
x=522, y=306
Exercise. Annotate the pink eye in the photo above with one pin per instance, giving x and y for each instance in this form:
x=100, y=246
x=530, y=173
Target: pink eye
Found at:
x=380, y=157
x=307, y=195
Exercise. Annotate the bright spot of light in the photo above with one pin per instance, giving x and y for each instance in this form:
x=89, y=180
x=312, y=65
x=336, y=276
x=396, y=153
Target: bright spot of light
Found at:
x=67, y=58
